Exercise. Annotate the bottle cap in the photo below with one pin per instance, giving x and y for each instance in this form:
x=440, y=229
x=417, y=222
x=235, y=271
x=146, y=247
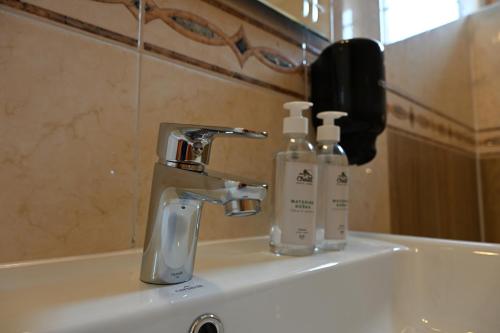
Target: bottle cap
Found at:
x=295, y=122
x=329, y=132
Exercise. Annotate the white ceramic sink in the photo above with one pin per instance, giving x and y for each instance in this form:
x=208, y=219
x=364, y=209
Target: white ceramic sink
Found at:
x=381, y=283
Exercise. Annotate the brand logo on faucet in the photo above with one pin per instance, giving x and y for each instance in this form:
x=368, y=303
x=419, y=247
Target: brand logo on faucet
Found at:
x=342, y=179
x=305, y=177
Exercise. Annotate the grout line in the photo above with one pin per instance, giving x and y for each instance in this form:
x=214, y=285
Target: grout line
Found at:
x=137, y=178
x=480, y=200
x=479, y=176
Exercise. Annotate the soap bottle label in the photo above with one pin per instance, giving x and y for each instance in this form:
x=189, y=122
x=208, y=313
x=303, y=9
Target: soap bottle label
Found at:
x=336, y=202
x=299, y=203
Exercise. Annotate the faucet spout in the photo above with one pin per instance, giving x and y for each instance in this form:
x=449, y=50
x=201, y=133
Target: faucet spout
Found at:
x=242, y=207
x=178, y=193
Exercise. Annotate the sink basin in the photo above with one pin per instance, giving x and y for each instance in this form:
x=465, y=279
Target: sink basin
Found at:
x=381, y=283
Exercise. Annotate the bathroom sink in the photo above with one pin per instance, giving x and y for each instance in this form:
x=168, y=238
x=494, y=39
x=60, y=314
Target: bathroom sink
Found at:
x=381, y=283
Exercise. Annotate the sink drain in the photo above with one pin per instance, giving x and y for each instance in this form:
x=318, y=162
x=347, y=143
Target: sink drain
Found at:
x=207, y=323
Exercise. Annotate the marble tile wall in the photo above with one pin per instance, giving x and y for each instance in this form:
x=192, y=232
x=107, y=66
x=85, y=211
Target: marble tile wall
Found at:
x=83, y=88
x=443, y=89
x=68, y=105
x=485, y=68
x=433, y=68
x=443, y=84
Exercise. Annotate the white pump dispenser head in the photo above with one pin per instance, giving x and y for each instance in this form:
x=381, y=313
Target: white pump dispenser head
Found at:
x=295, y=122
x=329, y=132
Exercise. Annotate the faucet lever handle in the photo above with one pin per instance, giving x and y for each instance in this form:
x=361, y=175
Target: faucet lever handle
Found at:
x=188, y=146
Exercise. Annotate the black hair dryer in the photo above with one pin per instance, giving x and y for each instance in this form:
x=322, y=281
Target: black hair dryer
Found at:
x=349, y=76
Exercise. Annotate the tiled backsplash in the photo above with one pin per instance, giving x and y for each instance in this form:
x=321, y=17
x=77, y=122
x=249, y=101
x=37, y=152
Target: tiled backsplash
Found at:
x=444, y=83
x=83, y=89
x=84, y=86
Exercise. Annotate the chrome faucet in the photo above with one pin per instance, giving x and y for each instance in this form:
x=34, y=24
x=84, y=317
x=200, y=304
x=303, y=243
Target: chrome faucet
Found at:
x=181, y=184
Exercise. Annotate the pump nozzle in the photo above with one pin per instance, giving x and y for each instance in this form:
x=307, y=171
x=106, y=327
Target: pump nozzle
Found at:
x=329, y=132
x=295, y=122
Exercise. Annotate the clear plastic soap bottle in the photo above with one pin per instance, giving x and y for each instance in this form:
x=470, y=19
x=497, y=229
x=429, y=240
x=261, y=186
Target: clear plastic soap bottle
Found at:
x=293, y=230
x=333, y=185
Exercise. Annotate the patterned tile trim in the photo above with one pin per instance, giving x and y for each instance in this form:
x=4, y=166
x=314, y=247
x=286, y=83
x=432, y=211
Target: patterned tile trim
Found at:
x=418, y=117
x=405, y=96
x=265, y=55
x=69, y=21
x=201, y=30
x=410, y=117
x=439, y=128
x=214, y=68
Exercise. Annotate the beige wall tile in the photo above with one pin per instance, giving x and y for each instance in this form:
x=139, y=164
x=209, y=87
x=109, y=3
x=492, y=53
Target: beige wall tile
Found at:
x=487, y=101
x=369, y=208
x=158, y=33
x=485, y=66
x=433, y=67
x=175, y=93
x=413, y=118
x=68, y=140
x=484, y=27
x=67, y=108
x=116, y=18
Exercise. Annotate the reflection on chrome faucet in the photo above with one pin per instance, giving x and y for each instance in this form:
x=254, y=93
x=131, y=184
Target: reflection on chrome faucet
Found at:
x=181, y=185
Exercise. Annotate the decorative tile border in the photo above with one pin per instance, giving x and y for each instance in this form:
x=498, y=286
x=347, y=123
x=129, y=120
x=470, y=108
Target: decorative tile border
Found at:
x=397, y=92
x=214, y=68
x=423, y=122
x=189, y=25
x=407, y=116
x=410, y=117
x=69, y=21
x=201, y=30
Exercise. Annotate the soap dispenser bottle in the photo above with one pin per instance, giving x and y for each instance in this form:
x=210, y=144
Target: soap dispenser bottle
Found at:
x=293, y=230
x=333, y=185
